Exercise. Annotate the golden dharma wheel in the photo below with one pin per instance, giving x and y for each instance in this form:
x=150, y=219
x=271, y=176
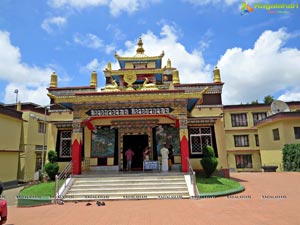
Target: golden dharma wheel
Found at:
x=130, y=77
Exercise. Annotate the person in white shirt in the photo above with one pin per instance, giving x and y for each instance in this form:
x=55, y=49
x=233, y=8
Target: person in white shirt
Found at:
x=164, y=155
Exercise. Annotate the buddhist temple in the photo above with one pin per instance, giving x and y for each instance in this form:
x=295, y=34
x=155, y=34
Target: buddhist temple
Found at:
x=143, y=104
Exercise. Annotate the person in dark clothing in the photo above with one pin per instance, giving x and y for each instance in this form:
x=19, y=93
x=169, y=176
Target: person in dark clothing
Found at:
x=171, y=156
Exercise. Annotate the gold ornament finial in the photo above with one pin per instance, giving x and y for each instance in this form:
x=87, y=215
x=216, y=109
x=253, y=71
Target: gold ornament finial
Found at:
x=169, y=65
x=140, y=49
x=217, y=77
x=175, y=77
x=53, y=81
x=94, y=79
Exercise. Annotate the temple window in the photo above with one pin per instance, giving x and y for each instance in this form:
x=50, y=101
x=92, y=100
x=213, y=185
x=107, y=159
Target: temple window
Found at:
x=65, y=147
x=199, y=138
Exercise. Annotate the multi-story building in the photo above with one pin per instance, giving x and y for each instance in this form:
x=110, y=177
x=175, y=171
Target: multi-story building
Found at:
x=252, y=135
x=24, y=137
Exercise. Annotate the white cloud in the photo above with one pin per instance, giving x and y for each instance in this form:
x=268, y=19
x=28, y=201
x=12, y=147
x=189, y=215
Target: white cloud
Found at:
x=115, y=6
x=79, y=4
x=30, y=80
x=58, y=21
x=213, y=2
x=291, y=95
x=93, y=65
x=88, y=40
x=267, y=69
x=191, y=65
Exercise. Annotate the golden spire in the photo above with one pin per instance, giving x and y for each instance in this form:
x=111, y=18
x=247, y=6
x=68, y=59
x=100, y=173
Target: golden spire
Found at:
x=53, y=81
x=140, y=49
x=169, y=65
x=175, y=77
x=93, y=82
x=217, y=77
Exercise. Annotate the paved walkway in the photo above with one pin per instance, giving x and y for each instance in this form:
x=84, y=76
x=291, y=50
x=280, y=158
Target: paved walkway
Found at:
x=269, y=199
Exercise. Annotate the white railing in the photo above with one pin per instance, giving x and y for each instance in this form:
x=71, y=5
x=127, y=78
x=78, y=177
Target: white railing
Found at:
x=61, y=179
x=193, y=179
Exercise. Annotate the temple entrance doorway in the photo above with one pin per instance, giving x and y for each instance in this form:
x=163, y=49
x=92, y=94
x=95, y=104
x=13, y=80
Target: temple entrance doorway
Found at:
x=137, y=143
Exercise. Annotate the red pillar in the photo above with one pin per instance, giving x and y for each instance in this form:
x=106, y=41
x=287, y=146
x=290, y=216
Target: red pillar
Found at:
x=76, y=157
x=184, y=150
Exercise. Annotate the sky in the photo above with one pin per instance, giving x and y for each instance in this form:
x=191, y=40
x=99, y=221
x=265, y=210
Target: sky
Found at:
x=256, y=49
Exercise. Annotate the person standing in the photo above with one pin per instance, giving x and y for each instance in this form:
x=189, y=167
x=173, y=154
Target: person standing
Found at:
x=147, y=153
x=129, y=154
x=3, y=207
x=164, y=155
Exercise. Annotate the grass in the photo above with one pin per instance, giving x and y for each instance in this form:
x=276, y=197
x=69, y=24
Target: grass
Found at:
x=39, y=190
x=215, y=184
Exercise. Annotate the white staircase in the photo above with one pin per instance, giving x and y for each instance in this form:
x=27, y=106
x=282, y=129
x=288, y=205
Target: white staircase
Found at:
x=129, y=186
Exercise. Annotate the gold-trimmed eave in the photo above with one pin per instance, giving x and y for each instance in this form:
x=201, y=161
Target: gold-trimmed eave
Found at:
x=135, y=71
x=125, y=96
x=132, y=58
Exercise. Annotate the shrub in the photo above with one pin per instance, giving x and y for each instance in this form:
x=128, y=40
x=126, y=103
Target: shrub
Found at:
x=291, y=157
x=51, y=169
x=209, y=162
x=52, y=166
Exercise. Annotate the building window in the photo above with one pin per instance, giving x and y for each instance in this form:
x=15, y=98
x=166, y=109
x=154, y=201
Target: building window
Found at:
x=42, y=127
x=65, y=149
x=256, y=139
x=243, y=161
x=297, y=132
x=239, y=120
x=258, y=117
x=241, y=140
x=199, y=138
x=276, y=136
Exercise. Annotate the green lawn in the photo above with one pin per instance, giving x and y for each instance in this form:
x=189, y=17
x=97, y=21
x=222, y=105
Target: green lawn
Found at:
x=39, y=190
x=215, y=184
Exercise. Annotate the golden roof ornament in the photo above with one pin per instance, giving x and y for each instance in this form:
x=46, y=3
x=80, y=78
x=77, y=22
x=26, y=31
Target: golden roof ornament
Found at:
x=94, y=79
x=169, y=65
x=53, y=81
x=111, y=87
x=148, y=86
x=217, y=76
x=140, y=49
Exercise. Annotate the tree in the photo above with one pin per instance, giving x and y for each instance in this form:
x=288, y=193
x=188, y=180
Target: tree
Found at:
x=209, y=162
x=254, y=102
x=268, y=99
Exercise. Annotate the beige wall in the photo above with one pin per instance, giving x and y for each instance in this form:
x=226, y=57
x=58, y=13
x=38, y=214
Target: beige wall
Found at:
x=9, y=166
x=10, y=138
x=10, y=133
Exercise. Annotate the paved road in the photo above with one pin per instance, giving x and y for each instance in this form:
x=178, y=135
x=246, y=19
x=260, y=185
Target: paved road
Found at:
x=269, y=199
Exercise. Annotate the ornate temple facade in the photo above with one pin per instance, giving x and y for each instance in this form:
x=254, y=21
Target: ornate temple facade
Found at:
x=143, y=104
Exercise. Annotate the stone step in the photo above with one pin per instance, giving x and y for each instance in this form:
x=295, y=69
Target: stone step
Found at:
x=103, y=179
x=125, y=195
x=128, y=185
x=132, y=189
